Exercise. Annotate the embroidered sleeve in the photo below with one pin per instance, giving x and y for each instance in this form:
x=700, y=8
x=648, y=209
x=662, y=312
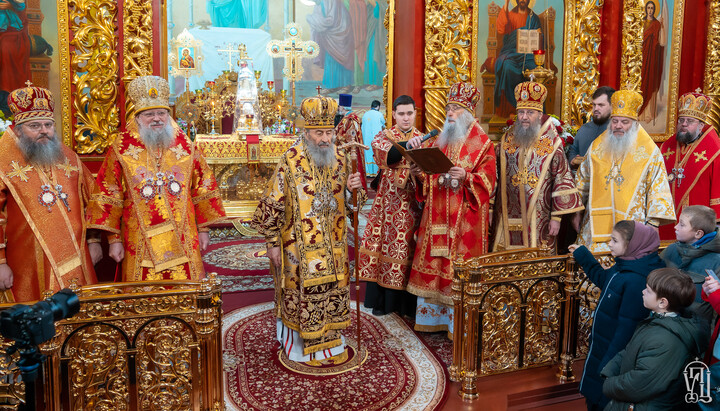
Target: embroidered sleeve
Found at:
x=269, y=217
x=565, y=197
x=205, y=193
x=660, y=207
x=106, y=203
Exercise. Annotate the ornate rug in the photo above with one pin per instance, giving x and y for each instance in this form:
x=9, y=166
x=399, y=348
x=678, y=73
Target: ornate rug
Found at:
x=242, y=264
x=400, y=372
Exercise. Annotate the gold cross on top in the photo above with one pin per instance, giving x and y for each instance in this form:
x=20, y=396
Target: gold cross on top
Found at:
x=28, y=83
x=19, y=171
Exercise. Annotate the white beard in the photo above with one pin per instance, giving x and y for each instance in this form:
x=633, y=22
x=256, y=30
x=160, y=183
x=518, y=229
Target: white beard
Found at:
x=321, y=156
x=616, y=147
x=155, y=139
x=455, y=132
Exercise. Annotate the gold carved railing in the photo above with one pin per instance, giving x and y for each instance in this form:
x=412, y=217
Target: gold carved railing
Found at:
x=132, y=346
x=519, y=309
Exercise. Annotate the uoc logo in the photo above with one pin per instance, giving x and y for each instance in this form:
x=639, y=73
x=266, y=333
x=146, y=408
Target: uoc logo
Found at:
x=697, y=382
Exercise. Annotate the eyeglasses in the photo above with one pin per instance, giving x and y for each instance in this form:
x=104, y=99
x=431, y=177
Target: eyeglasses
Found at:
x=453, y=107
x=151, y=114
x=687, y=120
x=35, y=126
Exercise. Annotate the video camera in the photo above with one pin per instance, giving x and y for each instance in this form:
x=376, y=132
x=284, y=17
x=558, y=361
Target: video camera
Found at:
x=32, y=325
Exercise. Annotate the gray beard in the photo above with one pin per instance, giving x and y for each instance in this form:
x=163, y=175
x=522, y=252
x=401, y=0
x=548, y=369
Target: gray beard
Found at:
x=686, y=137
x=155, y=139
x=453, y=133
x=40, y=154
x=321, y=156
x=617, y=148
x=526, y=136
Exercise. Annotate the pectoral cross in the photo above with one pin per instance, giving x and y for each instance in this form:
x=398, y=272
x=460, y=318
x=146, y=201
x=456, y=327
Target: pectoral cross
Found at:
x=293, y=49
x=679, y=174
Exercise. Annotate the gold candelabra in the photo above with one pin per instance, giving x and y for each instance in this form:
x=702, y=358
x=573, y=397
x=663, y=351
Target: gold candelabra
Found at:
x=271, y=103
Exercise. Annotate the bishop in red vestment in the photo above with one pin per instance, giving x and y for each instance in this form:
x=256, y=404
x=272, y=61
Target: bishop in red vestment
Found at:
x=692, y=159
x=156, y=194
x=455, y=219
x=44, y=191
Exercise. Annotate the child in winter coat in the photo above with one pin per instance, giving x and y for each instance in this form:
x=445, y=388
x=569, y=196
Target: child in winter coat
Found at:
x=648, y=373
x=635, y=248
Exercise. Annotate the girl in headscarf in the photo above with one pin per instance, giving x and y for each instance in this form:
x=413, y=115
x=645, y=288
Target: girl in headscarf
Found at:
x=635, y=248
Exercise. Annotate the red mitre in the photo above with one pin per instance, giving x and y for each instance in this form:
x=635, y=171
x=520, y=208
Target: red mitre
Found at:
x=530, y=95
x=464, y=94
x=31, y=103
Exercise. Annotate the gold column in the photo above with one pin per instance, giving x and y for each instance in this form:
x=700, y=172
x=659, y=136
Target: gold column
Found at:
x=570, y=319
x=474, y=294
x=388, y=85
x=632, y=37
x=448, y=53
x=137, y=45
x=712, y=63
x=455, y=370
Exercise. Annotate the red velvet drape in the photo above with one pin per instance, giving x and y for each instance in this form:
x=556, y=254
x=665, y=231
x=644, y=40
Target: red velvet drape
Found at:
x=409, y=59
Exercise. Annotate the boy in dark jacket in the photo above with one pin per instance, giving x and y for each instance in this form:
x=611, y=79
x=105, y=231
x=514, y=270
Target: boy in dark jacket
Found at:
x=697, y=249
x=647, y=374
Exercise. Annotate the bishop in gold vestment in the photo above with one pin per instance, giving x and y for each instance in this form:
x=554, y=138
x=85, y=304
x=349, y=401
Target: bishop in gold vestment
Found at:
x=303, y=218
x=156, y=194
x=623, y=177
x=44, y=191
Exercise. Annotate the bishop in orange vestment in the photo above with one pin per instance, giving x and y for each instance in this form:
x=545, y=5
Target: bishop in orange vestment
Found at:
x=692, y=159
x=44, y=190
x=156, y=194
x=455, y=219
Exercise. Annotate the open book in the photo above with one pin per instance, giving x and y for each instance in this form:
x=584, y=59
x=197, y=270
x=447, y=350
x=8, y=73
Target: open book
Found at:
x=431, y=159
x=528, y=40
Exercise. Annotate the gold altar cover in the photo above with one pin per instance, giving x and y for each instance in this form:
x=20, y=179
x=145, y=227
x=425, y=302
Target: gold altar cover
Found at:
x=46, y=246
x=303, y=211
x=160, y=233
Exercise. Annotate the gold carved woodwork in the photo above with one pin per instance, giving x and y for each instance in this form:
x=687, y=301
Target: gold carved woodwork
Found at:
x=94, y=69
x=712, y=63
x=448, y=52
x=580, y=62
x=519, y=309
x=137, y=46
x=632, y=45
x=145, y=345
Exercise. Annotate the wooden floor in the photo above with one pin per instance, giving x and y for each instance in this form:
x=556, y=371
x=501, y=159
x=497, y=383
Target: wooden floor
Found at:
x=536, y=389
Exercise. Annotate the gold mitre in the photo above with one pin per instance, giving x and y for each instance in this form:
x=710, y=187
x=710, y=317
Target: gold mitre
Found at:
x=319, y=111
x=148, y=92
x=626, y=103
x=695, y=105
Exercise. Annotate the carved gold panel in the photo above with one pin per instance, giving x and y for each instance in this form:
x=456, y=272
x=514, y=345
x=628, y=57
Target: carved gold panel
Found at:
x=712, y=62
x=137, y=44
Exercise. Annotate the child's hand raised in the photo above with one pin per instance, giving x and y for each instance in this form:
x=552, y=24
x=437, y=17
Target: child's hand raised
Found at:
x=710, y=285
x=573, y=247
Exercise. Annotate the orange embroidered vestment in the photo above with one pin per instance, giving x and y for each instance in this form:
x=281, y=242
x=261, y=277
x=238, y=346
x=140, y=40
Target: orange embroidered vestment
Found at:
x=388, y=244
x=692, y=172
x=454, y=224
x=44, y=245
x=159, y=228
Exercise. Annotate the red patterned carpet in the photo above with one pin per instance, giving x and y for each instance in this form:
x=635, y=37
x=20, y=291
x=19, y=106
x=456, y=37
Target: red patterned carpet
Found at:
x=399, y=373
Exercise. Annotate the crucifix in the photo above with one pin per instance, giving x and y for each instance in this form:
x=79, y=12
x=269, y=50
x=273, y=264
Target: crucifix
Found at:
x=293, y=49
x=230, y=50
